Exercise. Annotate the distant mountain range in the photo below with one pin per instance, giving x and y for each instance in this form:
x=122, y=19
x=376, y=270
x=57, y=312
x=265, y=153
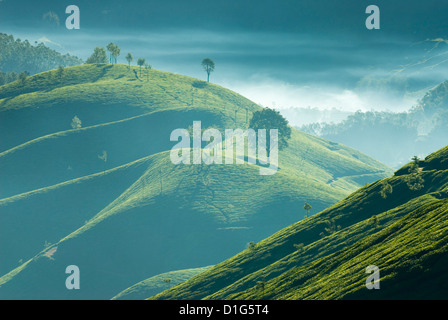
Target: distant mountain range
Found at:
x=393, y=138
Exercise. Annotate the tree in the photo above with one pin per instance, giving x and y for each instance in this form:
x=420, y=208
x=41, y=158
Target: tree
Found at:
x=11, y=76
x=22, y=77
x=168, y=281
x=374, y=221
x=76, y=123
x=209, y=66
x=129, y=59
x=141, y=62
x=110, y=48
x=271, y=119
x=416, y=160
x=299, y=247
x=98, y=56
x=386, y=189
x=307, y=207
x=60, y=71
x=251, y=245
x=414, y=179
x=261, y=285
x=147, y=67
x=116, y=52
x=331, y=228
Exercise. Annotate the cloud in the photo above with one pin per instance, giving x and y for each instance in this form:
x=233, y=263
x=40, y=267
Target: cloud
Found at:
x=272, y=92
x=47, y=41
x=51, y=17
x=281, y=69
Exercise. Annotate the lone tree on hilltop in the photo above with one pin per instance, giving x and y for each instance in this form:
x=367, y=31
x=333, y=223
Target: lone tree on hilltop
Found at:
x=209, y=66
x=416, y=160
x=270, y=119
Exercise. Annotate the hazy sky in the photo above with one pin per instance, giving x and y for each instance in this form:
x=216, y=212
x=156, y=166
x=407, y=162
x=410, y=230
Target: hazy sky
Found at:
x=291, y=53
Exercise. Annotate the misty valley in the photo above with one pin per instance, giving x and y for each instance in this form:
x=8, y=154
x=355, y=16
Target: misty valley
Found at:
x=215, y=153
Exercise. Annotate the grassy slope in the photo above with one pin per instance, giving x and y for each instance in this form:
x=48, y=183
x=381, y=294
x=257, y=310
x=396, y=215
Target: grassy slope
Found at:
x=157, y=284
x=150, y=210
x=409, y=245
x=36, y=125
x=47, y=214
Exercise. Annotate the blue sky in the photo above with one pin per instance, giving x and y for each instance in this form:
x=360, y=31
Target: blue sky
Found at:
x=287, y=53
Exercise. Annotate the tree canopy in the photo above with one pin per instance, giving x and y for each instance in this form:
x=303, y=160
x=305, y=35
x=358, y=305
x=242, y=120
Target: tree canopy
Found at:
x=19, y=56
x=271, y=119
x=141, y=62
x=98, y=56
x=209, y=66
x=129, y=58
x=307, y=207
x=114, y=52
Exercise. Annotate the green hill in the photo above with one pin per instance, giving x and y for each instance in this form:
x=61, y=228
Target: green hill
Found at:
x=157, y=284
x=404, y=234
x=133, y=214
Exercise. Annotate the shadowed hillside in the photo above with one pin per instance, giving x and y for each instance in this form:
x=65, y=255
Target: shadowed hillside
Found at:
x=404, y=232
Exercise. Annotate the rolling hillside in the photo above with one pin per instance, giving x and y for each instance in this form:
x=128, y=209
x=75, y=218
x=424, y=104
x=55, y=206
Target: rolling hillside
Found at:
x=107, y=198
x=157, y=284
x=403, y=232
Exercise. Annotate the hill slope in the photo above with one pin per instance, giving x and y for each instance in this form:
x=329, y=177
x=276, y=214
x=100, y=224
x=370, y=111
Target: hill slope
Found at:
x=157, y=284
x=404, y=234
x=133, y=214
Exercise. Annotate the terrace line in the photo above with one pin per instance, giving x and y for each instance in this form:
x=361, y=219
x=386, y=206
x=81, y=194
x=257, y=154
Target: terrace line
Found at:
x=213, y=152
